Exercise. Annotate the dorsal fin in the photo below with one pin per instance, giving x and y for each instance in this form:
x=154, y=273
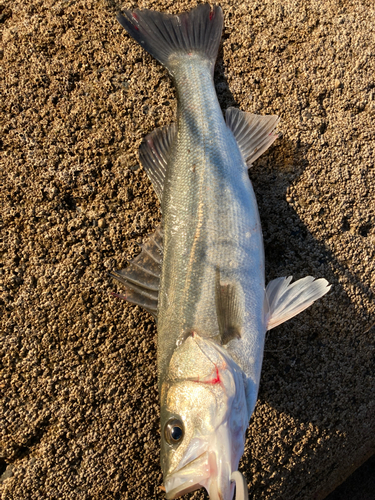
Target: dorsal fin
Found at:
x=253, y=133
x=229, y=310
x=142, y=276
x=154, y=154
x=284, y=301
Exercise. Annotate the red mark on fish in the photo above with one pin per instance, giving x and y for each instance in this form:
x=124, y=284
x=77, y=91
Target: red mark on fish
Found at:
x=134, y=15
x=213, y=381
x=217, y=379
x=118, y=295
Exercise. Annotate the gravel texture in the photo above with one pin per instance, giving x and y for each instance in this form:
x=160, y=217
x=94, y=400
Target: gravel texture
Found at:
x=79, y=413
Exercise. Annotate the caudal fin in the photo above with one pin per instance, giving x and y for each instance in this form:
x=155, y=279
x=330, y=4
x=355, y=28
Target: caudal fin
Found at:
x=165, y=35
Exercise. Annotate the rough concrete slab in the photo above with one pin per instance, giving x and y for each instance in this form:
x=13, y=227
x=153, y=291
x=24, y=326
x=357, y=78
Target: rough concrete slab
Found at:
x=79, y=406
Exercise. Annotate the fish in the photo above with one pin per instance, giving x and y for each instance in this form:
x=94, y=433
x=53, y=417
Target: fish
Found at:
x=201, y=274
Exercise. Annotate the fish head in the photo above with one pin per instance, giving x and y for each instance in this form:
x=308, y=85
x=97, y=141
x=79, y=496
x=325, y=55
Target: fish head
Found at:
x=204, y=418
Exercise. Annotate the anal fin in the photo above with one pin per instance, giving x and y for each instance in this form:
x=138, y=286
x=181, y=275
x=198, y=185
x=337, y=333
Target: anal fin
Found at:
x=142, y=276
x=284, y=301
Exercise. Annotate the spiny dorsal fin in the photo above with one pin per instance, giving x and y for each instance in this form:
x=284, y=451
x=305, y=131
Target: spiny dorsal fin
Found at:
x=253, y=133
x=284, y=301
x=229, y=310
x=142, y=276
x=154, y=155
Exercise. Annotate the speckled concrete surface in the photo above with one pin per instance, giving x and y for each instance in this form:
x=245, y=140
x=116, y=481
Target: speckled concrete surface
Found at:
x=79, y=405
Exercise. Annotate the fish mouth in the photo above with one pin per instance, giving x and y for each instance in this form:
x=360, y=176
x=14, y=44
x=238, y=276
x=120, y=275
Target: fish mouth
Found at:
x=189, y=478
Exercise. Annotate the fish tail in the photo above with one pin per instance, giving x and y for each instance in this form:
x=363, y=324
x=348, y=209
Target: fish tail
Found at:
x=170, y=37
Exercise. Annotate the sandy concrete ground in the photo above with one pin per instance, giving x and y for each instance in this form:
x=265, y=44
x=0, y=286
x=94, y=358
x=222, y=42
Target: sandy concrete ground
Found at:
x=79, y=405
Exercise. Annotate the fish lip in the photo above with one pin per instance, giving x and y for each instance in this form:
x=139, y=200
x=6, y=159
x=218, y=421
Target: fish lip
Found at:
x=186, y=484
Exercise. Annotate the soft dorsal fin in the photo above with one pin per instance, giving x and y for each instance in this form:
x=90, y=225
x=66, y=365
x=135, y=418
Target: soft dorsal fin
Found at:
x=229, y=310
x=154, y=154
x=142, y=276
x=253, y=133
x=284, y=301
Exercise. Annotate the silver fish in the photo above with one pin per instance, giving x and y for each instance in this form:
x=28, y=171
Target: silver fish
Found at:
x=202, y=272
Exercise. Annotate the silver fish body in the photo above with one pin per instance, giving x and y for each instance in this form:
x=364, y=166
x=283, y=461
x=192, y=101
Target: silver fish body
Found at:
x=211, y=231
x=202, y=274
x=211, y=223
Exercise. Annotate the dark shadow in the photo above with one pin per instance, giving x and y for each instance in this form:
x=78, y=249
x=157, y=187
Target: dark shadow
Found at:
x=359, y=486
x=224, y=95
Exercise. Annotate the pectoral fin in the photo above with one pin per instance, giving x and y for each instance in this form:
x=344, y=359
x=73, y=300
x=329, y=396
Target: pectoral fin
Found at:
x=142, y=276
x=254, y=133
x=284, y=301
x=229, y=310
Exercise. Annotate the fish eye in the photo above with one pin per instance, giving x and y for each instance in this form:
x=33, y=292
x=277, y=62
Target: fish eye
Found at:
x=174, y=431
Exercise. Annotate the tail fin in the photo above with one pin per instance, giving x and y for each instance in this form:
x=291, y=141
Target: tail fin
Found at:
x=164, y=35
